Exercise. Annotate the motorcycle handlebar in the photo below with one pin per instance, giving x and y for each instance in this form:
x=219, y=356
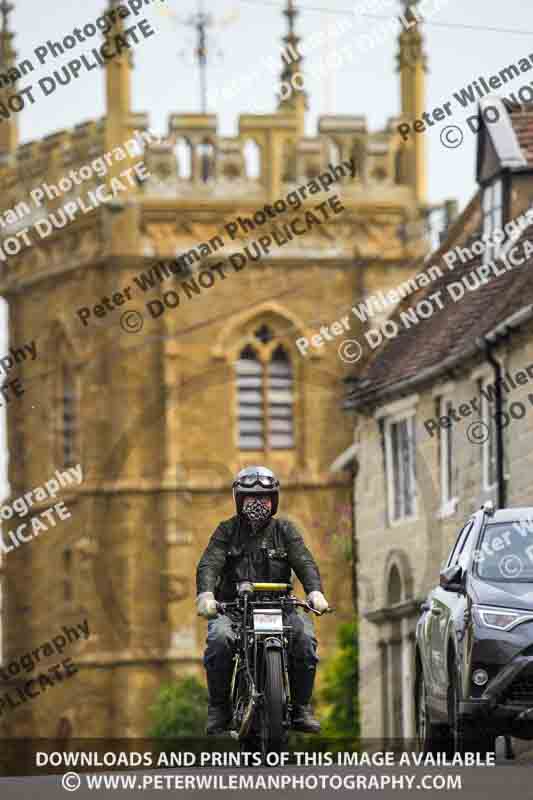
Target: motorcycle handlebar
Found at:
x=222, y=607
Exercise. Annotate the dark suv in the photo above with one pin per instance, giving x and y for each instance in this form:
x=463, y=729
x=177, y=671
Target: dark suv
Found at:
x=474, y=639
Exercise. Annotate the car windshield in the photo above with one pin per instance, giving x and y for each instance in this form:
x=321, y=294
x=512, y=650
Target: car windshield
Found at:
x=505, y=552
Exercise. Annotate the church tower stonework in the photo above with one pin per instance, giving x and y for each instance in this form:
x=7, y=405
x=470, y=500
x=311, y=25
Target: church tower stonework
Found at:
x=162, y=417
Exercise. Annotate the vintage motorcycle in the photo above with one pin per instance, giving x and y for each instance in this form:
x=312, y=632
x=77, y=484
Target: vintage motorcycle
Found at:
x=260, y=687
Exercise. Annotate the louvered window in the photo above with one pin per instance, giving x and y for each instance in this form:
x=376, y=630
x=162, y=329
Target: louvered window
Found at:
x=250, y=389
x=265, y=395
x=280, y=428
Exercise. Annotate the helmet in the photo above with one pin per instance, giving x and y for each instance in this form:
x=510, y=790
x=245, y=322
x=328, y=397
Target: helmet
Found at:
x=256, y=480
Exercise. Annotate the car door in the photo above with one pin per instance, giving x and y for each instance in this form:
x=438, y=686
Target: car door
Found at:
x=444, y=607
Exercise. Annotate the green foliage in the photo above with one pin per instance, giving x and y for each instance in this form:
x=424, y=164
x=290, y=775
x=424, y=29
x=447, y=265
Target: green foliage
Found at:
x=180, y=710
x=341, y=536
x=340, y=686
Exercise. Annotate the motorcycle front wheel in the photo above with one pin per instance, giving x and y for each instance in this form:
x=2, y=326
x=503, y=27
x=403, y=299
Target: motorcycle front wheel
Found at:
x=274, y=703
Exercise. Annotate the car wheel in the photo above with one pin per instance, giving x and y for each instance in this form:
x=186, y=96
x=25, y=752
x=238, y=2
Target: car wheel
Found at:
x=465, y=738
x=430, y=738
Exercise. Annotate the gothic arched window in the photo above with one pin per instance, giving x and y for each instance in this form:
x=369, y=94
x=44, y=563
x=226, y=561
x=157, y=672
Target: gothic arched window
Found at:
x=265, y=395
x=394, y=588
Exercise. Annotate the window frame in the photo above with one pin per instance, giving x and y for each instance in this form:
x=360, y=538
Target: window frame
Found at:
x=491, y=440
x=67, y=369
x=461, y=539
x=407, y=416
x=494, y=215
x=264, y=355
x=260, y=404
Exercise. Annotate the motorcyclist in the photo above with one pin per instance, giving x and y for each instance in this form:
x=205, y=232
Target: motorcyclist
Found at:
x=254, y=546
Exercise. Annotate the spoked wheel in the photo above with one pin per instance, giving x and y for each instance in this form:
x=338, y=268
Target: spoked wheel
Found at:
x=274, y=732
x=251, y=742
x=241, y=701
x=430, y=738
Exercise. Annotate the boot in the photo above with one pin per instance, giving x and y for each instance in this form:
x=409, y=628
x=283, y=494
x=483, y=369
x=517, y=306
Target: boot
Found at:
x=303, y=719
x=302, y=681
x=218, y=718
x=219, y=710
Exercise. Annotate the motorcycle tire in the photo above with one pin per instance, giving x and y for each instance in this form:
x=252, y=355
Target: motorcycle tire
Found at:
x=275, y=734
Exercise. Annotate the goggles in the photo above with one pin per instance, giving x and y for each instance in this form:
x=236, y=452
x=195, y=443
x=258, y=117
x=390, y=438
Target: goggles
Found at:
x=254, y=478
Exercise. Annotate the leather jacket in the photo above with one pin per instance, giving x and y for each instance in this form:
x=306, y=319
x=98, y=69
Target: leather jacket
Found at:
x=235, y=554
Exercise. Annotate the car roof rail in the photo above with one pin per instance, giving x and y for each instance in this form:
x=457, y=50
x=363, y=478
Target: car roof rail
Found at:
x=488, y=508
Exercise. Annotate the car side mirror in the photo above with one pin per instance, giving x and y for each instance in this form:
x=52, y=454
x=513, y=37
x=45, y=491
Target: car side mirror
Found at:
x=451, y=579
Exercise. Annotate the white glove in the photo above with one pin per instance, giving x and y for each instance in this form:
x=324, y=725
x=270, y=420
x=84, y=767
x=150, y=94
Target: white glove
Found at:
x=206, y=605
x=318, y=601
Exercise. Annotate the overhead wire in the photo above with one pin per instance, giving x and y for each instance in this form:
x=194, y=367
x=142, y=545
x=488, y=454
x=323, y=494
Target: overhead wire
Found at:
x=347, y=12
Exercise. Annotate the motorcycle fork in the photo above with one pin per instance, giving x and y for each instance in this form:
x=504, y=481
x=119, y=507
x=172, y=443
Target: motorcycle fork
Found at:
x=236, y=660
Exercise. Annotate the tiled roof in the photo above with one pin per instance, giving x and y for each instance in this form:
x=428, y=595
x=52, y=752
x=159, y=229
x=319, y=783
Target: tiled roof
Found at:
x=522, y=122
x=450, y=332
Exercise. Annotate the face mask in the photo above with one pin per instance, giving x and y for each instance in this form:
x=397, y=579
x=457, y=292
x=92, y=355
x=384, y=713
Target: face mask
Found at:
x=256, y=512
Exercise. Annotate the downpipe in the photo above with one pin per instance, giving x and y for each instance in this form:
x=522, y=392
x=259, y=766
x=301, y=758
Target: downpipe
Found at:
x=500, y=478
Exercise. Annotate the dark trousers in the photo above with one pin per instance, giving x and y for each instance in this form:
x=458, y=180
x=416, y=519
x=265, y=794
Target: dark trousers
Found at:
x=220, y=646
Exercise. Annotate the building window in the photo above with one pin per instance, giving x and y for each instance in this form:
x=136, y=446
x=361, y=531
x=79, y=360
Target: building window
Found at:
x=265, y=395
x=400, y=457
x=488, y=446
x=394, y=592
x=280, y=428
x=249, y=386
x=447, y=481
x=69, y=420
x=492, y=209
x=67, y=575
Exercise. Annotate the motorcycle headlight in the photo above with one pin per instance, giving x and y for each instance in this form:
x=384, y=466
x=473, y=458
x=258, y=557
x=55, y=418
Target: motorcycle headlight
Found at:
x=501, y=619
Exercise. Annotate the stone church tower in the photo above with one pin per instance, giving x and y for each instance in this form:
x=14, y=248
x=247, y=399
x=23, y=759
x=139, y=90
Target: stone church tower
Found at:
x=162, y=419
